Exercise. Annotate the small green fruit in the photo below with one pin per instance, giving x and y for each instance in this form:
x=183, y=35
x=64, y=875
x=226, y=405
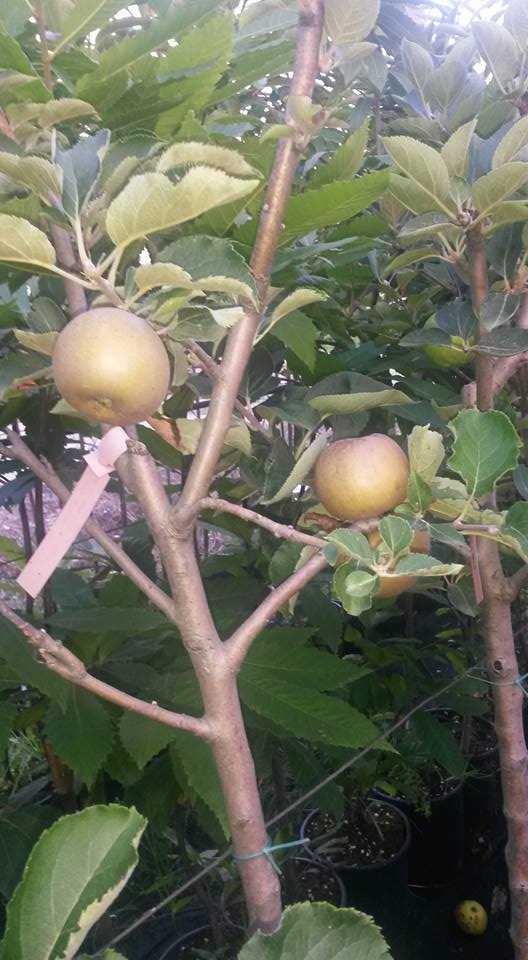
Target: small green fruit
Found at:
x=446, y=356
x=471, y=917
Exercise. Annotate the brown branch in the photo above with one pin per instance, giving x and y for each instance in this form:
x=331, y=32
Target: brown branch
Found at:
x=479, y=291
x=517, y=581
x=63, y=662
x=277, y=529
x=503, y=665
x=213, y=370
x=240, y=338
x=504, y=369
x=240, y=641
x=45, y=472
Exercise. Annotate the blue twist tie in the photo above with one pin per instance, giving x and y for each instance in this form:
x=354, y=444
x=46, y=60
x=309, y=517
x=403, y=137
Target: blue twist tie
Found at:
x=268, y=852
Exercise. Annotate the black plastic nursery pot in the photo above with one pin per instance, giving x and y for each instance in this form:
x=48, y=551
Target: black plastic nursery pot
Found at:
x=379, y=888
x=485, y=826
x=436, y=853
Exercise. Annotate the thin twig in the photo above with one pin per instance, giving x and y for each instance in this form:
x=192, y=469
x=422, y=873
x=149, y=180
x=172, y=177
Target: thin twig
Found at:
x=63, y=662
x=212, y=368
x=277, y=529
x=240, y=641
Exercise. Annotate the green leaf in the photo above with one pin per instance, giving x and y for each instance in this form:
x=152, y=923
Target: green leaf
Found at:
x=11, y=551
x=491, y=189
x=355, y=402
x=8, y=712
x=21, y=242
x=274, y=658
x=346, y=161
x=513, y=146
x=486, y=446
x=360, y=583
x=498, y=48
x=35, y=173
x=300, y=471
x=208, y=258
x=429, y=226
x=418, y=64
x=298, y=333
x=426, y=452
x=198, y=762
x=498, y=309
x=439, y=743
x=306, y=713
x=409, y=257
x=503, y=343
x=20, y=829
x=93, y=854
x=81, y=166
x=131, y=620
x=85, y=16
x=120, y=57
x=348, y=21
x=319, y=931
x=516, y=528
x=355, y=589
x=40, y=342
x=426, y=336
x=516, y=20
x=456, y=151
x=81, y=733
x=306, y=769
x=419, y=493
x=161, y=275
x=445, y=83
x=150, y=202
x=420, y=565
x=186, y=154
x=50, y=113
x=353, y=545
x=142, y=737
x=424, y=167
x=331, y=204
x=396, y=534
x=16, y=652
x=45, y=316
x=294, y=301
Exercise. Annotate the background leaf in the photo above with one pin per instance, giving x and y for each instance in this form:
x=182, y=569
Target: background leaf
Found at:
x=93, y=854
x=318, y=931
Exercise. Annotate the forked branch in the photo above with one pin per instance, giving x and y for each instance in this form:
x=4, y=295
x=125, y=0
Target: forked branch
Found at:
x=280, y=530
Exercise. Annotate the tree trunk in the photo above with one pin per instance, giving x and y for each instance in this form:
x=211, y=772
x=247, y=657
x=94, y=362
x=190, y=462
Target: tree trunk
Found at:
x=503, y=667
x=239, y=786
x=508, y=700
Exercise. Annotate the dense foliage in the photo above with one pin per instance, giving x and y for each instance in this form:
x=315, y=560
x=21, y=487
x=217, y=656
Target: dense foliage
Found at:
x=147, y=139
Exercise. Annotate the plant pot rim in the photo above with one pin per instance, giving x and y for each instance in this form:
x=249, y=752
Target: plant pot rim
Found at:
x=342, y=867
x=457, y=787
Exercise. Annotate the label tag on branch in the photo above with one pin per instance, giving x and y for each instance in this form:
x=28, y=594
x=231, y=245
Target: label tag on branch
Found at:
x=75, y=512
